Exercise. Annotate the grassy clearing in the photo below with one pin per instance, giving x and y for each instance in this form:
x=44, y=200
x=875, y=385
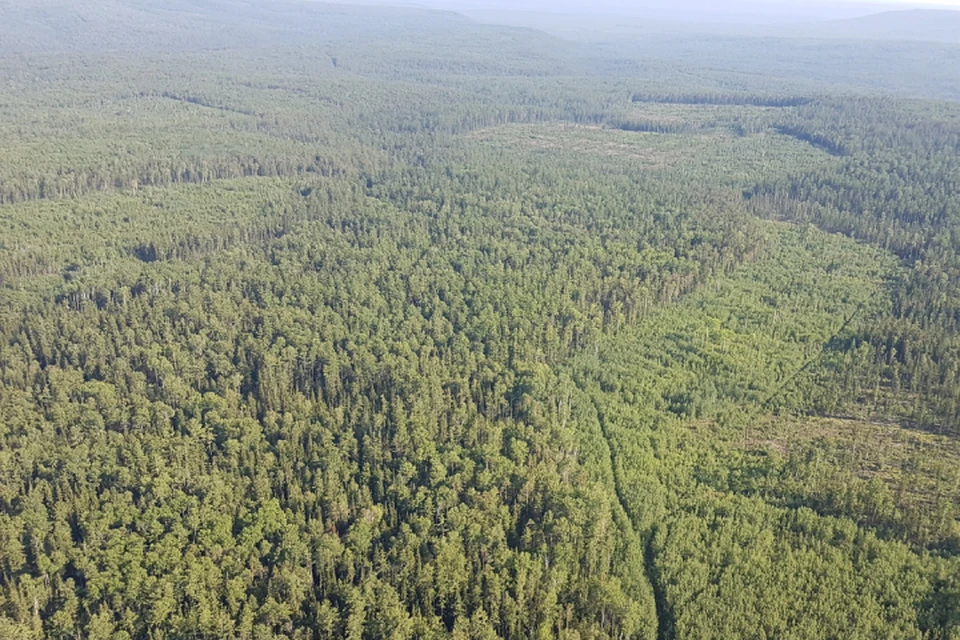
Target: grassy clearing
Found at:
x=714, y=153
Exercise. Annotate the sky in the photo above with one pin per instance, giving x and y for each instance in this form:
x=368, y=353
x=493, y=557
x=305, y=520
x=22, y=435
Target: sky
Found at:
x=813, y=6
x=939, y=3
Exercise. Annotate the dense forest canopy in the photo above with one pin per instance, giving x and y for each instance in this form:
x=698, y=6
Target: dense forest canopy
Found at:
x=328, y=321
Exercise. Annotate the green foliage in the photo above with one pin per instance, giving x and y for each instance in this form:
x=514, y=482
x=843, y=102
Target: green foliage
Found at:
x=371, y=340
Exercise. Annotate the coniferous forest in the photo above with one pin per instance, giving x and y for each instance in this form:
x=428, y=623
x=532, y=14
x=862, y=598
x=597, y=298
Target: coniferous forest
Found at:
x=322, y=321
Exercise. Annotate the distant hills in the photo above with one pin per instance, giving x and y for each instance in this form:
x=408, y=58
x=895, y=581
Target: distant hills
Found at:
x=911, y=52
x=700, y=11
x=336, y=35
x=589, y=23
x=175, y=25
x=926, y=25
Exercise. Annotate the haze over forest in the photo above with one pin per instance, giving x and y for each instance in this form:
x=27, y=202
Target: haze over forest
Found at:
x=697, y=11
x=477, y=320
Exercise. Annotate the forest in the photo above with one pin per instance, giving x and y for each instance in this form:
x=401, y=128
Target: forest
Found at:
x=327, y=321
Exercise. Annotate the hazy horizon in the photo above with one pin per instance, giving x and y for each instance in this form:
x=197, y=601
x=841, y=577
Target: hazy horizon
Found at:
x=742, y=11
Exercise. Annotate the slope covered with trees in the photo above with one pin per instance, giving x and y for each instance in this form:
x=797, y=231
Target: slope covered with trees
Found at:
x=484, y=336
